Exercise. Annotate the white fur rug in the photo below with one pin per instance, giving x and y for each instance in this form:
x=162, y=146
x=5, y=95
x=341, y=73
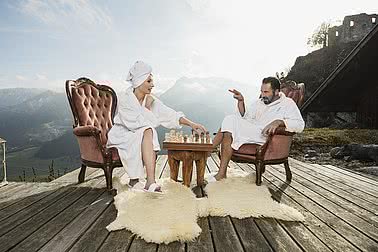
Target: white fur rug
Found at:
x=238, y=196
x=172, y=216
x=159, y=218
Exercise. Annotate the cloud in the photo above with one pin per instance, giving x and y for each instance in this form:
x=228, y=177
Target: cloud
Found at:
x=21, y=78
x=41, y=77
x=198, y=5
x=67, y=14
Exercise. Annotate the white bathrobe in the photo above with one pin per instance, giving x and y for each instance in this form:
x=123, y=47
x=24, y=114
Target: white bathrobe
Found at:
x=130, y=122
x=248, y=128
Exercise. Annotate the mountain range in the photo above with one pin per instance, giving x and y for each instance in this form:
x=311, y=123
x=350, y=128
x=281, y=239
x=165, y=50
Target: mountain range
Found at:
x=42, y=119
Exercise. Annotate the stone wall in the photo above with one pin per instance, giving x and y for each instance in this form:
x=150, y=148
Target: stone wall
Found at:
x=354, y=28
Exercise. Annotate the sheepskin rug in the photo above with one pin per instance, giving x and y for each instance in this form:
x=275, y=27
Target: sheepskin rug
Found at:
x=172, y=216
x=238, y=196
x=159, y=218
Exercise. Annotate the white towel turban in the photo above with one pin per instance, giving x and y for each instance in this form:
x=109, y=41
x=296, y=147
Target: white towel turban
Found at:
x=138, y=73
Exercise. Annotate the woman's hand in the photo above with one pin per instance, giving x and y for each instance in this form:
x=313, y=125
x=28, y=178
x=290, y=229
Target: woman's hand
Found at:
x=149, y=101
x=198, y=128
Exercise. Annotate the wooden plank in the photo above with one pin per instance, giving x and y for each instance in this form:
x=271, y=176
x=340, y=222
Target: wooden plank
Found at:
x=297, y=230
x=165, y=172
x=224, y=234
x=67, y=236
x=313, y=223
x=5, y=189
x=22, y=204
x=27, y=213
x=352, y=177
x=359, y=239
x=360, y=175
x=72, y=177
x=172, y=247
x=37, y=207
x=14, y=193
x=349, y=202
x=303, y=236
x=337, y=210
x=159, y=163
x=204, y=241
x=40, y=237
x=163, y=163
x=16, y=235
x=344, y=179
x=117, y=241
x=212, y=165
x=276, y=235
x=93, y=238
x=139, y=244
x=340, y=187
x=250, y=235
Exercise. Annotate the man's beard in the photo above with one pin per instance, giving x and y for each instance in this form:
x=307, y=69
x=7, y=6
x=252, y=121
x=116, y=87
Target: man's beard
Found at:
x=267, y=99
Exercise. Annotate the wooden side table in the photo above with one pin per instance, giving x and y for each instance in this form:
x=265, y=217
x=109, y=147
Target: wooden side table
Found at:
x=187, y=153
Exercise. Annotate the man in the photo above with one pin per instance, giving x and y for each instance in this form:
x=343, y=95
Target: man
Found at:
x=253, y=125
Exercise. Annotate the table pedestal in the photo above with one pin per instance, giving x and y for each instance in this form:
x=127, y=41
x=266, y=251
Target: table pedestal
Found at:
x=187, y=157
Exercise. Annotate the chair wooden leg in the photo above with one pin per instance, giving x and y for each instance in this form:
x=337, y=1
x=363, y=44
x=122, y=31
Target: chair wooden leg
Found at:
x=258, y=172
x=82, y=173
x=287, y=170
x=108, y=176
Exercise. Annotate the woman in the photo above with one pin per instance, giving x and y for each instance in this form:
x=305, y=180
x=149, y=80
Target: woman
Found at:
x=133, y=133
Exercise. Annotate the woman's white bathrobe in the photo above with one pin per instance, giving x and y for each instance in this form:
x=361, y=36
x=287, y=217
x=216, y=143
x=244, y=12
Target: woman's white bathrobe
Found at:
x=248, y=128
x=130, y=122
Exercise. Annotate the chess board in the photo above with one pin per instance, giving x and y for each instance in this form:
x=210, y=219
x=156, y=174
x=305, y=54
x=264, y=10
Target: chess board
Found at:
x=176, y=141
x=194, y=146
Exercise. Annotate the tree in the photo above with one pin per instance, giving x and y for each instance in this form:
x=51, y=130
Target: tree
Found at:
x=320, y=35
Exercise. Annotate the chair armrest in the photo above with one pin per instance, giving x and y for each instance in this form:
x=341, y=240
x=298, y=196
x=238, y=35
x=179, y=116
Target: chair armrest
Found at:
x=276, y=146
x=86, y=131
x=282, y=131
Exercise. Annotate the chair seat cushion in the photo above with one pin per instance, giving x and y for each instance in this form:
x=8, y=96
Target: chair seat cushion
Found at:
x=247, y=149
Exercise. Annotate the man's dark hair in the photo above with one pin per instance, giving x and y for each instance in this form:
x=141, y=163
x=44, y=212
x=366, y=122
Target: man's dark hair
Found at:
x=274, y=82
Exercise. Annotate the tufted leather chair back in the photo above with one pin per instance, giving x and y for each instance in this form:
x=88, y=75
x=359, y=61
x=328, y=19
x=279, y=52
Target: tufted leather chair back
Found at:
x=92, y=105
x=294, y=91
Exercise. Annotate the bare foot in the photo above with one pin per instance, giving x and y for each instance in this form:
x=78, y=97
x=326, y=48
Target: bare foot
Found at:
x=219, y=177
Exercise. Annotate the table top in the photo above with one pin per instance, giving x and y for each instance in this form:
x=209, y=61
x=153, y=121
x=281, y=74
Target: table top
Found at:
x=196, y=146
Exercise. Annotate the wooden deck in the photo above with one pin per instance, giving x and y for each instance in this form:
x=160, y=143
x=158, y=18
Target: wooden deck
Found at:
x=340, y=207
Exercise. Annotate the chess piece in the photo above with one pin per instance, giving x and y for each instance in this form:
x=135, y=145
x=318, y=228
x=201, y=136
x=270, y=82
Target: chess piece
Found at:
x=196, y=137
x=207, y=137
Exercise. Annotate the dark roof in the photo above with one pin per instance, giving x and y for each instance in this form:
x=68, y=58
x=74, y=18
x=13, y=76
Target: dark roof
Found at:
x=358, y=72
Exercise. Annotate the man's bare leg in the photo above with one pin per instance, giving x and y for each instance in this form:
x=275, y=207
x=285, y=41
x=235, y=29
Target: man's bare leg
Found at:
x=218, y=139
x=149, y=157
x=226, y=153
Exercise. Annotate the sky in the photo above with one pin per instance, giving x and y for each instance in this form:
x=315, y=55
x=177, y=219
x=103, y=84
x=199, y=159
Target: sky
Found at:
x=45, y=42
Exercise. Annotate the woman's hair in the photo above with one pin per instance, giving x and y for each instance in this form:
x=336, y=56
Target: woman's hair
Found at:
x=274, y=82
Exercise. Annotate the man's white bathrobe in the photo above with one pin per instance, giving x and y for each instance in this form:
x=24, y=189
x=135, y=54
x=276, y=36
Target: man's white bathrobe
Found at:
x=248, y=128
x=130, y=122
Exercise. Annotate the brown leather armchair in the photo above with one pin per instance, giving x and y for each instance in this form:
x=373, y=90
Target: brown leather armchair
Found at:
x=93, y=107
x=277, y=147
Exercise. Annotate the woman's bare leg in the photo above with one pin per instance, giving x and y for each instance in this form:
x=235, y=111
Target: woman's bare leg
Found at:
x=149, y=157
